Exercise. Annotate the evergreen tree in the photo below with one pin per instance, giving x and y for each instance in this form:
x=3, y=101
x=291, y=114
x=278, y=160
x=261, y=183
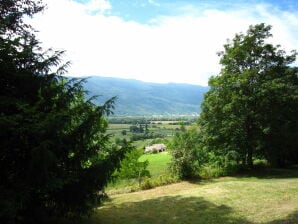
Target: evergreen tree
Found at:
x=55, y=154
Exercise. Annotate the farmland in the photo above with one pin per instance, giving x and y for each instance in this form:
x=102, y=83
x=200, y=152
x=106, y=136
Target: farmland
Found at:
x=146, y=131
x=142, y=132
x=160, y=127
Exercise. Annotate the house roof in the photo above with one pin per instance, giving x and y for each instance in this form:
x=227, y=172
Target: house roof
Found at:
x=155, y=146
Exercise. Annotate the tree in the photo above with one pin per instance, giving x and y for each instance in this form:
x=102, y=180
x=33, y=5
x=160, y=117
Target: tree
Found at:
x=187, y=154
x=55, y=154
x=134, y=129
x=254, y=95
x=131, y=167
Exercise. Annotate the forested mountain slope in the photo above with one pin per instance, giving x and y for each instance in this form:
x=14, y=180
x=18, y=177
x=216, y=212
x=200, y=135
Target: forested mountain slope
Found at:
x=137, y=98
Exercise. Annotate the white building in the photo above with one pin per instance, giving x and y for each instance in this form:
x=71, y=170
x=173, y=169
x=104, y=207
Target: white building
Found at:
x=155, y=147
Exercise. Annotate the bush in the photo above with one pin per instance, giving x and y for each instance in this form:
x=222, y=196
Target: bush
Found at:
x=261, y=163
x=209, y=171
x=131, y=167
x=149, y=183
x=187, y=154
x=220, y=165
x=146, y=184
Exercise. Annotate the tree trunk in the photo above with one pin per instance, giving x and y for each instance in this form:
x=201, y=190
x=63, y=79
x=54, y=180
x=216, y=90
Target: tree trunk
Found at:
x=250, y=145
x=249, y=157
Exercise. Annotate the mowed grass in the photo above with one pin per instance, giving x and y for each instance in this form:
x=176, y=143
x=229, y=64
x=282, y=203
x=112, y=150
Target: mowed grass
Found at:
x=265, y=198
x=158, y=163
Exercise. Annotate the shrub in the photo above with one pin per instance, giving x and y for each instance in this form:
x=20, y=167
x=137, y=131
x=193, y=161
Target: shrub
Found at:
x=187, y=154
x=148, y=183
x=131, y=167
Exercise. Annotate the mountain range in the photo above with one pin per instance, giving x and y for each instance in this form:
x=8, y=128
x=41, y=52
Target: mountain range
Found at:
x=138, y=98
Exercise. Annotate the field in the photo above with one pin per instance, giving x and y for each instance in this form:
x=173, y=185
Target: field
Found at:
x=158, y=168
x=271, y=197
x=265, y=196
x=166, y=129
x=158, y=163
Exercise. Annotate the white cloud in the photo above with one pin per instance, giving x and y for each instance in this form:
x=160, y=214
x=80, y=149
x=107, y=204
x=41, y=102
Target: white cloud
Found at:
x=175, y=49
x=98, y=6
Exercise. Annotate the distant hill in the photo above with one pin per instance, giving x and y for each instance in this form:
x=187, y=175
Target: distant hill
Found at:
x=137, y=98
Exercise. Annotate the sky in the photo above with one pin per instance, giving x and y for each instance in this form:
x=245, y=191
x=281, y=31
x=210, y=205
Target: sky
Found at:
x=159, y=41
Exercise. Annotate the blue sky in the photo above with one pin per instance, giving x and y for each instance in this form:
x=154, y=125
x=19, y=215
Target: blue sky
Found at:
x=143, y=11
x=157, y=40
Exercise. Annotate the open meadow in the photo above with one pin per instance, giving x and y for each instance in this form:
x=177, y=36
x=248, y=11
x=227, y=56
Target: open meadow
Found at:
x=158, y=167
x=269, y=197
x=158, y=163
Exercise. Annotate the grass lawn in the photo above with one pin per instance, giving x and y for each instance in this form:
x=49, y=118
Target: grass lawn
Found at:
x=158, y=163
x=270, y=197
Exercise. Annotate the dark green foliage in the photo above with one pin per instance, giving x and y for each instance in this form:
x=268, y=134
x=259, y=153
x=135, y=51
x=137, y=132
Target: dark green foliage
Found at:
x=55, y=155
x=220, y=165
x=251, y=107
x=279, y=123
x=123, y=132
x=187, y=154
x=131, y=167
x=149, y=135
x=12, y=13
x=137, y=128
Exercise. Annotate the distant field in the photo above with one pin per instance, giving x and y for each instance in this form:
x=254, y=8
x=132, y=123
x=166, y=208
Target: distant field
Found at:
x=166, y=128
x=118, y=126
x=158, y=163
x=158, y=168
x=152, y=127
x=269, y=198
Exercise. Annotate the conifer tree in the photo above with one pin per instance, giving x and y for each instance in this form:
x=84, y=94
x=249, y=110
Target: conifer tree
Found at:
x=55, y=154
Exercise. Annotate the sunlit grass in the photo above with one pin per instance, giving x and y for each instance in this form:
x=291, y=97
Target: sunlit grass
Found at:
x=158, y=163
x=264, y=198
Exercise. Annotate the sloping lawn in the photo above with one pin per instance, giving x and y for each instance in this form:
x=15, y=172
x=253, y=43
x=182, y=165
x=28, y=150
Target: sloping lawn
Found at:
x=270, y=198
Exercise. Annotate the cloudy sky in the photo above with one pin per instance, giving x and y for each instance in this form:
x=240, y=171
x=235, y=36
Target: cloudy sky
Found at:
x=157, y=40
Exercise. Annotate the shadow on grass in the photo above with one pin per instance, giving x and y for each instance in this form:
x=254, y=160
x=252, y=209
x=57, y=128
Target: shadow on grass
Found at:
x=166, y=210
x=172, y=210
x=290, y=219
x=269, y=173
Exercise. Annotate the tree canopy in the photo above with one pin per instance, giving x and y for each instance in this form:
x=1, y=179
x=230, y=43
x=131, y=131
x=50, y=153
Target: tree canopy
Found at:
x=252, y=105
x=55, y=154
